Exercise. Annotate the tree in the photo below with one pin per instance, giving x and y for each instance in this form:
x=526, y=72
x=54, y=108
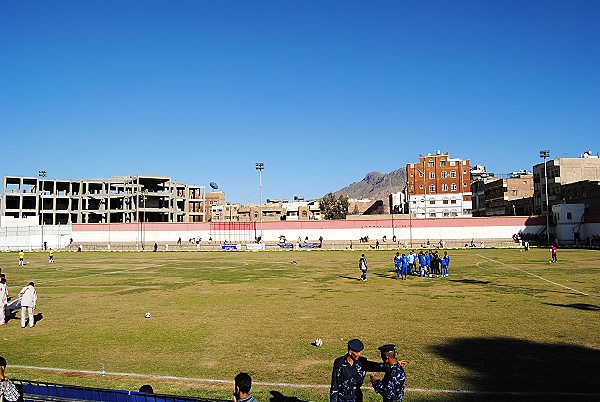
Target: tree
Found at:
x=334, y=208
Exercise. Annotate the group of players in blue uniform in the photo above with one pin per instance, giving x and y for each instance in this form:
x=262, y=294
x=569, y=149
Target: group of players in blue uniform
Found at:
x=428, y=264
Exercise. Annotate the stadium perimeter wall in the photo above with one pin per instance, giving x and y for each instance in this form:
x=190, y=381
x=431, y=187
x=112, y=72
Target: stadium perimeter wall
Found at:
x=450, y=229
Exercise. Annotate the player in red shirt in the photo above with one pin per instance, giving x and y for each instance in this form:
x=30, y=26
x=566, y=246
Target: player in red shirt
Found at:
x=554, y=249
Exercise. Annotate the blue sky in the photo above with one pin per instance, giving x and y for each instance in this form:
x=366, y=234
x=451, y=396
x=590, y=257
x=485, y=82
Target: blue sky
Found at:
x=322, y=92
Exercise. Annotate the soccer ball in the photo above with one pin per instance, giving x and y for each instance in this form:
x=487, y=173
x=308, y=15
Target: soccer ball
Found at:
x=147, y=315
x=318, y=342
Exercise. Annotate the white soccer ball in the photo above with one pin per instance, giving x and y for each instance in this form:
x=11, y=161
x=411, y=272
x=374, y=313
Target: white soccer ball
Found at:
x=147, y=315
x=318, y=342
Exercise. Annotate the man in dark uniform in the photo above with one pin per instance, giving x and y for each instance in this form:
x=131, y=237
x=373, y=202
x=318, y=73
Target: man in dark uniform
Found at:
x=349, y=373
x=392, y=386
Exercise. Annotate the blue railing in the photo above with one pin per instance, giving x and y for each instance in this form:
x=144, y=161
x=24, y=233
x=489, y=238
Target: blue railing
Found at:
x=34, y=390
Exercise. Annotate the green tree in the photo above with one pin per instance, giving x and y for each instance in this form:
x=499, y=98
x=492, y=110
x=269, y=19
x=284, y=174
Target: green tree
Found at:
x=334, y=208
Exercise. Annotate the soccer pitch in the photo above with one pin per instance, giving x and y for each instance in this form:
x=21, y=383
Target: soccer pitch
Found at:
x=503, y=321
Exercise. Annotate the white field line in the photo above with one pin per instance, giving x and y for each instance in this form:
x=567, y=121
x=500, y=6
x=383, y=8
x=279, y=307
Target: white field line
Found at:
x=286, y=385
x=537, y=276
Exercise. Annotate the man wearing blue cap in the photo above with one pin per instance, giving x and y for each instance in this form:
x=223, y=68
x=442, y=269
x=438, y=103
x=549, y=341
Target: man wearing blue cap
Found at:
x=349, y=373
x=391, y=388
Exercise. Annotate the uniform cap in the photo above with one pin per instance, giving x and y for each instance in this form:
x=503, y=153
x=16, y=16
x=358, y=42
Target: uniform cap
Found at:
x=387, y=348
x=355, y=345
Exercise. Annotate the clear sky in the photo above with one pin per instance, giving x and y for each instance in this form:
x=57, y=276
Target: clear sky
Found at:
x=322, y=92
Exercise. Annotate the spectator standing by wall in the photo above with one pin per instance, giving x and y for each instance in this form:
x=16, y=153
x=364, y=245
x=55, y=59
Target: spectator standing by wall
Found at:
x=243, y=384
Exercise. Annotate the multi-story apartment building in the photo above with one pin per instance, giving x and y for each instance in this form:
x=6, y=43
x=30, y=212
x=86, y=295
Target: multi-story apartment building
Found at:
x=500, y=193
x=278, y=210
x=561, y=171
x=439, y=186
x=584, y=192
x=125, y=199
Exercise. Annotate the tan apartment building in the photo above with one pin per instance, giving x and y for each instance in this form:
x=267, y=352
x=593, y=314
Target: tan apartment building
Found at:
x=439, y=186
x=500, y=193
x=561, y=171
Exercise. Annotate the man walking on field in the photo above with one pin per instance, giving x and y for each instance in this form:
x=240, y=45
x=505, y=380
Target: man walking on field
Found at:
x=363, y=266
x=554, y=252
x=28, y=297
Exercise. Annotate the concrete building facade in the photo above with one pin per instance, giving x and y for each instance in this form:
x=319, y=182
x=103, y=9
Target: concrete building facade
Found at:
x=127, y=199
x=439, y=187
x=561, y=171
x=500, y=192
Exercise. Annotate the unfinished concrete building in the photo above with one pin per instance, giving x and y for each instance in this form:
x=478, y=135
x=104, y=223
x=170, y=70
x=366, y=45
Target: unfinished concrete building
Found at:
x=126, y=199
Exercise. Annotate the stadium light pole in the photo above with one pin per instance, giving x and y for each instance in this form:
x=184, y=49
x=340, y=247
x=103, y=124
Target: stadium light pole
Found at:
x=42, y=174
x=546, y=154
x=260, y=166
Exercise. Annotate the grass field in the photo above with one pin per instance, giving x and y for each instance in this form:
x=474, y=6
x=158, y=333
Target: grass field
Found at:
x=487, y=327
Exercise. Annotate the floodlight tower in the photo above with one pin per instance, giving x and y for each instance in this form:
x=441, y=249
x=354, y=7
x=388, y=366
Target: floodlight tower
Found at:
x=42, y=174
x=546, y=154
x=260, y=166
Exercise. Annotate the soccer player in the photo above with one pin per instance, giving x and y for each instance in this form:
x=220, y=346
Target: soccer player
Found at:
x=21, y=258
x=404, y=271
x=554, y=251
x=51, y=256
x=363, y=266
x=422, y=263
x=445, y=264
x=398, y=263
x=3, y=299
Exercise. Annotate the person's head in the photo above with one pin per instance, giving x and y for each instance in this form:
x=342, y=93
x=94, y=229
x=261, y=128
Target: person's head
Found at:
x=403, y=255
x=397, y=254
x=388, y=353
x=147, y=389
x=355, y=348
x=243, y=384
x=31, y=284
x=362, y=255
x=3, y=280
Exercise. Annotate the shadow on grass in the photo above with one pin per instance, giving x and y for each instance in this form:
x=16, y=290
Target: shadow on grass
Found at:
x=279, y=397
x=578, y=306
x=515, y=365
x=509, y=288
x=350, y=277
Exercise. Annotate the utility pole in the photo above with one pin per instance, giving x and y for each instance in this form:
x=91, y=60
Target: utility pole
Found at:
x=42, y=175
x=546, y=154
x=260, y=166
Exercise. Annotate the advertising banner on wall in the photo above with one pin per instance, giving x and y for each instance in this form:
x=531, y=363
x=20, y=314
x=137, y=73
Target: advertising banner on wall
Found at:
x=309, y=245
x=230, y=246
x=255, y=246
x=286, y=245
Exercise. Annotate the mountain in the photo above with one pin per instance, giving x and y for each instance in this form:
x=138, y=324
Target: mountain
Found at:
x=376, y=186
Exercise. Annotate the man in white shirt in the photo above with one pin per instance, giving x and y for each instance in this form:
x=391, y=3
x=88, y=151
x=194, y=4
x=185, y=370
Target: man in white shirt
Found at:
x=28, y=297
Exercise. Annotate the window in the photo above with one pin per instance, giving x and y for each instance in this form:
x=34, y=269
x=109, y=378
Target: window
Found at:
x=421, y=186
x=465, y=184
x=515, y=192
x=431, y=202
x=444, y=175
x=443, y=163
x=431, y=164
x=464, y=171
x=454, y=213
x=453, y=173
x=420, y=174
x=446, y=213
x=569, y=215
x=445, y=201
x=453, y=186
x=444, y=187
x=432, y=214
x=453, y=201
x=432, y=175
x=432, y=188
